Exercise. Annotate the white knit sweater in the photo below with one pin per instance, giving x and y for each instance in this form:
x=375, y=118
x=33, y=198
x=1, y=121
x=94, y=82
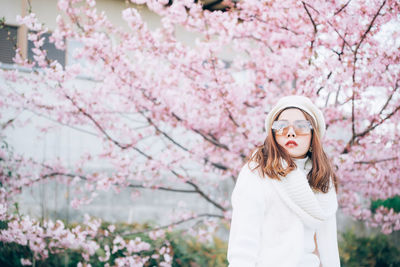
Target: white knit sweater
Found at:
x=274, y=222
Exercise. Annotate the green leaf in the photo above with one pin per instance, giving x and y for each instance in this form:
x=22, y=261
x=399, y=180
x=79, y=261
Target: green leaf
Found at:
x=389, y=203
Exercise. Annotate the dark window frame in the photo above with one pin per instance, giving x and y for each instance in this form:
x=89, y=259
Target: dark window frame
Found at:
x=52, y=52
x=8, y=43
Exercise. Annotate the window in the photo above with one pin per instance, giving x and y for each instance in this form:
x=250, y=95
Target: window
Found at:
x=52, y=52
x=72, y=46
x=8, y=43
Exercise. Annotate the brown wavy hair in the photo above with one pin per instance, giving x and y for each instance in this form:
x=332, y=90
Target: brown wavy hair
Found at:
x=268, y=158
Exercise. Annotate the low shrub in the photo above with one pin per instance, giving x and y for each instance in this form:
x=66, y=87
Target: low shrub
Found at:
x=389, y=203
x=185, y=250
x=375, y=250
x=355, y=251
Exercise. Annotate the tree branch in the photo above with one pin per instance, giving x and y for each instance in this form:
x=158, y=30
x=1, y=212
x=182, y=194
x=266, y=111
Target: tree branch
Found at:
x=309, y=15
x=71, y=175
x=384, y=106
x=313, y=23
x=150, y=121
x=353, y=129
x=217, y=81
x=372, y=126
x=374, y=161
x=363, y=38
x=174, y=223
x=198, y=190
x=379, y=123
x=213, y=141
x=369, y=27
x=196, y=187
x=122, y=146
x=61, y=123
x=341, y=37
x=342, y=8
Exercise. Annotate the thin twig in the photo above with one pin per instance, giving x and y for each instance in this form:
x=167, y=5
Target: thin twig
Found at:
x=342, y=8
x=174, y=223
x=374, y=161
x=196, y=187
x=150, y=121
x=216, y=143
x=313, y=23
x=71, y=175
x=383, y=107
x=356, y=136
x=364, y=36
x=341, y=37
x=204, y=195
x=379, y=123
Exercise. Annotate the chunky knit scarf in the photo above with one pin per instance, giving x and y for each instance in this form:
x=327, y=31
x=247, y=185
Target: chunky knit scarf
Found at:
x=312, y=208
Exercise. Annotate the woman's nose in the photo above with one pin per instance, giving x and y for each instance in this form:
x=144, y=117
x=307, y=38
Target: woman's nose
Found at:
x=291, y=132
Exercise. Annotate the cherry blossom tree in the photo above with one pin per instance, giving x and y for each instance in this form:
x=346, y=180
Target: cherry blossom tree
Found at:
x=208, y=101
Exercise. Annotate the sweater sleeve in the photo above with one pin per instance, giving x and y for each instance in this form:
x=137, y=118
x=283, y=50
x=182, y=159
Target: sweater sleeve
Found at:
x=248, y=203
x=327, y=244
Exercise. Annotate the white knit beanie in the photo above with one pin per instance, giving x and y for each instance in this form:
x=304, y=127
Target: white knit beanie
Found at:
x=302, y=103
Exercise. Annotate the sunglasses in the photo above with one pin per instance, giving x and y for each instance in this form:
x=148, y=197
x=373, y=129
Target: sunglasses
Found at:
x=300, y=127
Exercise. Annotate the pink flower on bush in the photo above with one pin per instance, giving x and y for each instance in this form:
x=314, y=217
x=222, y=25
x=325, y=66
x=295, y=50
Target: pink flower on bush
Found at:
x=26, y=262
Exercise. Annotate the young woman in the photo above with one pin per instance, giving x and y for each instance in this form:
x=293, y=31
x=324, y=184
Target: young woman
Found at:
x=284, y=201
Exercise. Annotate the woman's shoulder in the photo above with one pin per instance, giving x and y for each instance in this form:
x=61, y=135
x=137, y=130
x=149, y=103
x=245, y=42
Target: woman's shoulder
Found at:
x=250, y=185
x=251, y=175
x=251, y=168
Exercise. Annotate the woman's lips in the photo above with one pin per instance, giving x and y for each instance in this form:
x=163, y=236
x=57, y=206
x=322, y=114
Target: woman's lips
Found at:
x=291, y=143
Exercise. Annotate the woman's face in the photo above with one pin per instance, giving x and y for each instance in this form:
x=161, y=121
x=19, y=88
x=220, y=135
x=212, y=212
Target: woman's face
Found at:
x=296, y=137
